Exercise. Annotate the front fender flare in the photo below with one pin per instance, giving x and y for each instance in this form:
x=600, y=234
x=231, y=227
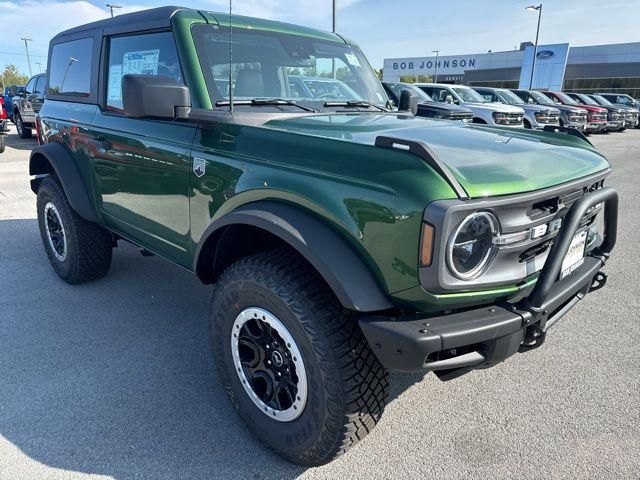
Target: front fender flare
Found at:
x=336, y=262
x=65, y=169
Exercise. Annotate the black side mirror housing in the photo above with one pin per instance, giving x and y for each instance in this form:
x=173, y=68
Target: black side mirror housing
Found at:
x=154, y=96
x=408, y=101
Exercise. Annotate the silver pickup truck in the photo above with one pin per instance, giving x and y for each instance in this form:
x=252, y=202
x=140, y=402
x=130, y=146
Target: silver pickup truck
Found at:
x=27, y=104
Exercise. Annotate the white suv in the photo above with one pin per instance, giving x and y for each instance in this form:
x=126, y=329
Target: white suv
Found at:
x=483, y=111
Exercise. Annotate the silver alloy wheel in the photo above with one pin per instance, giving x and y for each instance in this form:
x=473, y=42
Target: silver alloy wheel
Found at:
x=269, y=364
x=18, y=122
x=55, y=231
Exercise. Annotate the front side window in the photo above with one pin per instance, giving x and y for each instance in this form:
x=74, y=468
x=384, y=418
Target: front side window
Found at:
x=147, y=54
x=39, y=88
x=70, y=68
x=273, y=65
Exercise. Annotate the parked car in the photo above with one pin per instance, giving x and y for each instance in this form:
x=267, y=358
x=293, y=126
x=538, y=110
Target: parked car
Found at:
x=623, y=100
x=27, y=103
x=344, y=240
x=427, y=107
x=535, y=116
x=596, y=116
x=570, y=116
x=615, y=115
x=630, y=113
x=8, y=94
x=483, y=111
x=3, y=124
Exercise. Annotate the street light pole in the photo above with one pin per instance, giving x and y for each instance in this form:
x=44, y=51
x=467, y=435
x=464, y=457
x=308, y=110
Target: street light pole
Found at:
x=111, y=6
x=334, y=16
x=437, y=52
x=532, y=8
x=26, y=47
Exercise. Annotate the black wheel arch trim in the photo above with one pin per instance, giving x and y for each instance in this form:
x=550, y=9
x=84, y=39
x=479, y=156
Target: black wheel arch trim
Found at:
x=66, y=171
x=336, y=262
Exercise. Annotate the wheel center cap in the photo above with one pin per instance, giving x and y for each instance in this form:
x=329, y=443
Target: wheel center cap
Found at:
x=276, y=358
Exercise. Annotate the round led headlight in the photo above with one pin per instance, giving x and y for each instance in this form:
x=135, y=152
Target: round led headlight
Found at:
x=471, y=246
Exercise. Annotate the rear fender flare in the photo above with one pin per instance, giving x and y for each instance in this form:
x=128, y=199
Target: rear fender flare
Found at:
x=53, y=158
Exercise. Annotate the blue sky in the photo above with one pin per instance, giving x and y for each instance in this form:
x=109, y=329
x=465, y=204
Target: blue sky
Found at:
x=383, y=28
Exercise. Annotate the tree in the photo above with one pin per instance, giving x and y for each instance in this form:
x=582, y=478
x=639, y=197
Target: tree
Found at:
x=416, y=78
x=12, y=76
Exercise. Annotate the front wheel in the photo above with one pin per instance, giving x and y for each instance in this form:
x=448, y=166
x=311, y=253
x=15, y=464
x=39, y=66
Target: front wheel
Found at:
x=294, y=363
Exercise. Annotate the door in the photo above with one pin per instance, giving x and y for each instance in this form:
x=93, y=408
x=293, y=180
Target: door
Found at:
x=141, y=167
x=36, y=96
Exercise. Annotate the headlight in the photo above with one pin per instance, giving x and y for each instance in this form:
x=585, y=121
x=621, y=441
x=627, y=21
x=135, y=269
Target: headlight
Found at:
x=470, y=247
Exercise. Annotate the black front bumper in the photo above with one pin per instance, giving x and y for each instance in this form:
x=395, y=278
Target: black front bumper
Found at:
x=453, y=344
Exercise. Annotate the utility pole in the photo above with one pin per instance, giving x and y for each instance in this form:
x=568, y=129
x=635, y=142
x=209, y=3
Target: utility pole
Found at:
x=533, y=8
x=26, y=47
x=111, y=6
x=334, y=16
x=437, y=52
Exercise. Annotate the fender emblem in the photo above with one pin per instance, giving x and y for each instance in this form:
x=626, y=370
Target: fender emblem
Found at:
x=199, y=166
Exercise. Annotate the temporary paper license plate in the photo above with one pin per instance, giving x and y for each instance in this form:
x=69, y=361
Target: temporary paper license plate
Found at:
x=575, y=255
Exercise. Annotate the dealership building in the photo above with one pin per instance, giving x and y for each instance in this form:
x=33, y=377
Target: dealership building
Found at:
x=611, y=68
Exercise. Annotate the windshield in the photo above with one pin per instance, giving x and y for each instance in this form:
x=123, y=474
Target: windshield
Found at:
x=541, y=98
x=566, y=98
x=274, y=65
x=469, y=95
x=603, y=101
x=588, y=100
x=509, y=97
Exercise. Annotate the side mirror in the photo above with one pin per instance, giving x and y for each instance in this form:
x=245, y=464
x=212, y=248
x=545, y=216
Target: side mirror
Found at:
x=408, y=101
x=153, y=96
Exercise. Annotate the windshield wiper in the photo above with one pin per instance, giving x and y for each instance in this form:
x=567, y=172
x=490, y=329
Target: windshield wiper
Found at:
x=266, y=101
x=354, y=103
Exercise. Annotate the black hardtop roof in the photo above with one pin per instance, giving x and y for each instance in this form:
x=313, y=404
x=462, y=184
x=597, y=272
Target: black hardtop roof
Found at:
x=152, y=18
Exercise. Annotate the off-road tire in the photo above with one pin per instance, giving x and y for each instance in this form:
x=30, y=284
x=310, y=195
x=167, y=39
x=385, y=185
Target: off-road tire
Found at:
x=88, y=245
x=23, y=132
x=347, y=385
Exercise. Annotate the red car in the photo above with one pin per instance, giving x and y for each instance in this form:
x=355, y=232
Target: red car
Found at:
x=596, y=116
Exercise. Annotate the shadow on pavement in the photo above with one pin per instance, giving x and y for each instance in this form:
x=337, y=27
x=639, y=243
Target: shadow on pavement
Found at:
x=13, y=140
x=116, y=377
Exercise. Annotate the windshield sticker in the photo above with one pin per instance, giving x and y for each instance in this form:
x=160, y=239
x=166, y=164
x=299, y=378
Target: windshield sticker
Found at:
x=352, y=59
x=143, y=62
x=114, y=92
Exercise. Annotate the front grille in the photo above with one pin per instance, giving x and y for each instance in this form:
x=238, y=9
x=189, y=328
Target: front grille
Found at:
x=513, y=118
x=461, y=116
x=598, y=117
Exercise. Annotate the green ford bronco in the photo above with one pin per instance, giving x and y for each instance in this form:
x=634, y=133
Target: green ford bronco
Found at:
x=344, y=239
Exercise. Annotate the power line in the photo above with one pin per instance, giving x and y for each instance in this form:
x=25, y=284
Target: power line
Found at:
x=23, y=54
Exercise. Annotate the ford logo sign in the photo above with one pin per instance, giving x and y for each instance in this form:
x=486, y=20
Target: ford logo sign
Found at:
x=545, y=54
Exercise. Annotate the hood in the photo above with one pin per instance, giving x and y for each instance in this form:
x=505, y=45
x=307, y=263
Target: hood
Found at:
x=494, y=107
x=592, y=108
x=539, y=108
x=487, y=161
x=569, y=108
x=444, y=107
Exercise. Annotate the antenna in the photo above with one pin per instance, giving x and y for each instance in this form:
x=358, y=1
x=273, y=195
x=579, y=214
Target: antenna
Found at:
x=230, y=60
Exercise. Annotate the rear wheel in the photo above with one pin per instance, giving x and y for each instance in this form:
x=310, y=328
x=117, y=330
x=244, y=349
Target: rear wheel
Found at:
x=79, y=250
x=294, y=363
x=23, y=131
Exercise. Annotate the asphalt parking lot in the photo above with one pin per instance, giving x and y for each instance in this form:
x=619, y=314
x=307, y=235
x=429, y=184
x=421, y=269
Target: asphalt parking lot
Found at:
x=115, y=379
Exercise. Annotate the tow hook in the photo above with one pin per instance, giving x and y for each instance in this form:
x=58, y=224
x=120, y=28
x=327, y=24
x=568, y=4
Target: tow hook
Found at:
x=599, y=281
x=533, y=338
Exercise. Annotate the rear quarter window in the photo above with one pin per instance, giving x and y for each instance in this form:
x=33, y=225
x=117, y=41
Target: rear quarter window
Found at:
x=70, y=68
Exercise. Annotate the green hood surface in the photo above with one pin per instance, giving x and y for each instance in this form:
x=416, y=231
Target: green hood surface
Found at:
x=487, y=161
